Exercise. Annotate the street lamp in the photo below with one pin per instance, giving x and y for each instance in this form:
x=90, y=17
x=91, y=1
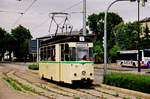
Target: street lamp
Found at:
x=143, y=4
x=105, y=34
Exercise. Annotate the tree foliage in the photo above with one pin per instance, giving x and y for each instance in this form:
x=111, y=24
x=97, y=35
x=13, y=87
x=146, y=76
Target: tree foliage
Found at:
x=3, y=40
x=96, y=25
x=16, y=42
x=21, y=37
x=114, y=50
x=145, y=40
x=127, y=35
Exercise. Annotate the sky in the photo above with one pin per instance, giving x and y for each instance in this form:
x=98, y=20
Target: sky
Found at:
x=36, y=16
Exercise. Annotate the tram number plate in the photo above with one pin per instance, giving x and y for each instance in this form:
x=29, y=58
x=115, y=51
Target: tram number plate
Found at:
x=81, y=38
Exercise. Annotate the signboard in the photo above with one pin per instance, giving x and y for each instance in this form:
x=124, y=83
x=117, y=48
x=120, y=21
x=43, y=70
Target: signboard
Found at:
x=82, y=45
x=81, y=38
x=33, y=46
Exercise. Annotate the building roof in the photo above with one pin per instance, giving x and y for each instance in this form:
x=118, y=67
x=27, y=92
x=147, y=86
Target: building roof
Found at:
x=147, y=19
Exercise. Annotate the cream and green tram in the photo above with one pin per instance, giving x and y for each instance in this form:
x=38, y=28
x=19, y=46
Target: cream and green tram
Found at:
x=67, y=59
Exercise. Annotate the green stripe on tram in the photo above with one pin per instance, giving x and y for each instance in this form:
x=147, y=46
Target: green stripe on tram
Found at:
x=68, y=62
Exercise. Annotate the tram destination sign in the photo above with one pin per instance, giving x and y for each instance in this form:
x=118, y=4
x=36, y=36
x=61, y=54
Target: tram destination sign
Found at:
x=81, y=45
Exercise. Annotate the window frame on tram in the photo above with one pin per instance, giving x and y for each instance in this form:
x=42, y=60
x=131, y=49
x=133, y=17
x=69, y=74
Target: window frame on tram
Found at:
x=47, y=53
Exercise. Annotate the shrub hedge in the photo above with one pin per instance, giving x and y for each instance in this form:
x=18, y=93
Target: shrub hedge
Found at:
x=33, y=67
x=129, y=81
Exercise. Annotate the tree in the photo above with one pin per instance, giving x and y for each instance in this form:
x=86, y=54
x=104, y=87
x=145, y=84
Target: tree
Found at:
x=98, y=51
x=145, y=42
x=127, y=35
x=10, y=44
x=96, y=25
x=114, y=50
x=21, y=37
x=3, y=34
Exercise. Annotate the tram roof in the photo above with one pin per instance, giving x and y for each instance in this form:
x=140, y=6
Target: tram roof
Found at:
x=68, y=38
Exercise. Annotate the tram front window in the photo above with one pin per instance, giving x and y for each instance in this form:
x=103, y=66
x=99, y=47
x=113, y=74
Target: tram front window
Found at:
x=82, y=54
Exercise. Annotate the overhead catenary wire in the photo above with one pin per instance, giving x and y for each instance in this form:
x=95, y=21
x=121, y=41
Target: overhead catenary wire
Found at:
x=18, y=19
x=30, y=6
x=74, y=5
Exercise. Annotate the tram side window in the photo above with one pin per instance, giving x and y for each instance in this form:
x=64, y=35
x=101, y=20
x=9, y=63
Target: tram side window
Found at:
x=52, y=57
x=41, y=54
x=66, y=49
x=62, y=52
x=45, y=54
x=65, y=52
x=91, y=54
x=72, y=54
x=48, y=52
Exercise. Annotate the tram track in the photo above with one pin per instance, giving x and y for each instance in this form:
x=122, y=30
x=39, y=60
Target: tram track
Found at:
x=20, y=80
x=68, y=91
x=50, y=87
x=91, y=93
x=59, y=89
x=48, y=93
x=51, y=90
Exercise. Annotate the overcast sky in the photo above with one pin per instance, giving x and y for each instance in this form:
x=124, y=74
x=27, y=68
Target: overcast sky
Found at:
x=36, y=17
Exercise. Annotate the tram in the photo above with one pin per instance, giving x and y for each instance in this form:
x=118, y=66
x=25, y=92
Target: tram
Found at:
x=67, y=58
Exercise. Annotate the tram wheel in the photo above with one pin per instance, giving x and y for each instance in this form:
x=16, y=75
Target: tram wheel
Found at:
x=42, y=77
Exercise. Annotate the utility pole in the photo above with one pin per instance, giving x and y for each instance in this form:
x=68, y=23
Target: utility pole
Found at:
x=84, y=17
x=143, y=4
x=37, y=56
x=139, y=65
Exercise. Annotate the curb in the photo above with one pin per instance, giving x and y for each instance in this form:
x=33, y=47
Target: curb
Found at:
x=125, y=91
x=33, y=71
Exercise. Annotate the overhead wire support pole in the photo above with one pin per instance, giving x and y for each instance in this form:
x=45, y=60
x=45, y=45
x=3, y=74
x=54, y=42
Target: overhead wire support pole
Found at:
x=37, y=58
x=105, y=35
x=84, y=17
x=139, y=68
x=143, y=4
x=105, y=38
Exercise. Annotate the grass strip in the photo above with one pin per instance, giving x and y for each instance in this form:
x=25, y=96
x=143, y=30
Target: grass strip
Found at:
x=12, y=83
x=45, y=88
x=28, y=88
x=21, y=87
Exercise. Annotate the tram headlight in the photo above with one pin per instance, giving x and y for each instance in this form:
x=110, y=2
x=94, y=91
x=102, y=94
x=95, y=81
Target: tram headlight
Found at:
x=83, y=72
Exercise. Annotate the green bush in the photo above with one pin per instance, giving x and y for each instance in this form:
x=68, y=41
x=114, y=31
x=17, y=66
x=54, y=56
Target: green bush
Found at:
x=129, y=81
x=33, y=67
